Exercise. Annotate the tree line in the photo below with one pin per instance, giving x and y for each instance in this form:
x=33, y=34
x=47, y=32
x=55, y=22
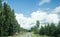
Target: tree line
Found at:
x=52, y=30
x=8, y=23
x=49, y=29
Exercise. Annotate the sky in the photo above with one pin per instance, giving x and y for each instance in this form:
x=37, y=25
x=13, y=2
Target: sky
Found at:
x=29, y=11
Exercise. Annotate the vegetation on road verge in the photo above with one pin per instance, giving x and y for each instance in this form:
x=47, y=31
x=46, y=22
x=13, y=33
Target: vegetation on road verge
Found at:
x=36, y=35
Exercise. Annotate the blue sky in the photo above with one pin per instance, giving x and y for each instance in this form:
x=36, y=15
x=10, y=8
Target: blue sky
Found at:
x=28, y=6
x=29, y=11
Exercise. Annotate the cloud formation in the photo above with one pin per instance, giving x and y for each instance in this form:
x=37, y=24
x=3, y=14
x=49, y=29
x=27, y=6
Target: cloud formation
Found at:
x=56, y=10
x=42, y=16
x=44, y=1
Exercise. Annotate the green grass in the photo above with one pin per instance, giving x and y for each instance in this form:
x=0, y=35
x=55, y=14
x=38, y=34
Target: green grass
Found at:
x=21, y=33
x=36, y=35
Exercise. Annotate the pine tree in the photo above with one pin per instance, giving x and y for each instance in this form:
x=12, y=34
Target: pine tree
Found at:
x=53, y=28
x=10, y=23
x=41, y=31
x=1, y=19
x=47, y=29
x=36, y=28
x=37, y=23
x=58, y=29
x=6, y=13
x=0, y=15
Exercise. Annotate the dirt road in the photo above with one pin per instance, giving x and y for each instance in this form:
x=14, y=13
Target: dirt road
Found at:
x=28, y=34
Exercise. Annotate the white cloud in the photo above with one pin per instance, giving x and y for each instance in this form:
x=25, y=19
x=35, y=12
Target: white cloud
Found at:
x=52, y=18
x=24, y=21
x=44, y=1
x=42, y=16
x=56, y=10
x=38, y=15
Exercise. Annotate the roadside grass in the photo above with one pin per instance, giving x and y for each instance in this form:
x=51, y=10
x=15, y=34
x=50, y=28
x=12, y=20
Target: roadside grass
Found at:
x=21, y=33
x=36, y=35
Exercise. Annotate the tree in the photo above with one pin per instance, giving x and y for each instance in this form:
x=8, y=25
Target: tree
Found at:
x=36, y=28
x=8, y=23
x=47, y=29
x=0, y=14
x=6, y=13
x=58, y=29
x=37, y=23
x=41, y=31
x=53, y=28
x=1, y=19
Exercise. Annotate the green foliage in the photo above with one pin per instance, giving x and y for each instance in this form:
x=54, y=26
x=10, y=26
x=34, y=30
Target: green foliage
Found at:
x=42, y=30
x=50, y=30
x=35, y=29
x=8, y=23
x=37, y=23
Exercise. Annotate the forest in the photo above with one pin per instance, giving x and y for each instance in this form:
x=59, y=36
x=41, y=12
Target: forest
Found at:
x=50, y=29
